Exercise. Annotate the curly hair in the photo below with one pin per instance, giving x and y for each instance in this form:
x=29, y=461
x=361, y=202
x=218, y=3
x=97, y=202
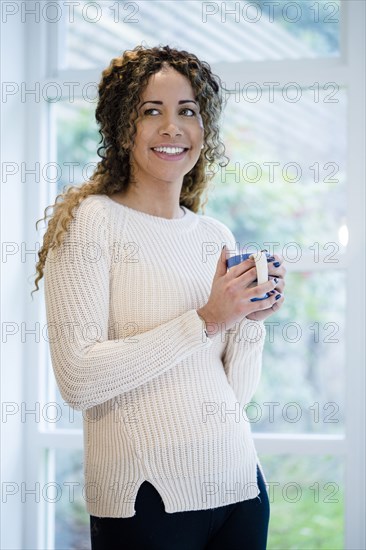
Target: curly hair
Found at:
x=119, y=91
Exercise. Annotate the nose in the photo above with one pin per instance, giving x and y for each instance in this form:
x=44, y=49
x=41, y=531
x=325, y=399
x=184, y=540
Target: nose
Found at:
x=170, y=126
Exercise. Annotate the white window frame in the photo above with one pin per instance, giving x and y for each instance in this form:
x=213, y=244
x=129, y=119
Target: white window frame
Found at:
x=346, y=71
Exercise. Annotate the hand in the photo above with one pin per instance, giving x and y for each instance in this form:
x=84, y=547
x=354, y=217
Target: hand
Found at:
x=231, y=293
x=279, y=272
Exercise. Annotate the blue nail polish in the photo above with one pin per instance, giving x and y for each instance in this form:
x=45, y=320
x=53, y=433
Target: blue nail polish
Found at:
x=270, y=259
x=278, y=296
x=267, y=295
x=277, y=264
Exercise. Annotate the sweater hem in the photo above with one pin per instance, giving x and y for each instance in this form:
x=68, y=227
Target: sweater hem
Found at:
x=187, y=494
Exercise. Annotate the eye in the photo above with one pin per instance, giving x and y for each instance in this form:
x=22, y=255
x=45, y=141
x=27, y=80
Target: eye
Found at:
x=191, y=111
x=148, y=111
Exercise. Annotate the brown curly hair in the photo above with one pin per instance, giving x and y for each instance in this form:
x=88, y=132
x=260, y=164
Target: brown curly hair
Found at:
x=119, y=92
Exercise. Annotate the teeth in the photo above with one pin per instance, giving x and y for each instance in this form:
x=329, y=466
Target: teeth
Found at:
x=169, y=150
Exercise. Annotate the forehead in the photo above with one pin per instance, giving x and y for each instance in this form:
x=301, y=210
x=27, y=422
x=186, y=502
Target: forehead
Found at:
x=166, y=83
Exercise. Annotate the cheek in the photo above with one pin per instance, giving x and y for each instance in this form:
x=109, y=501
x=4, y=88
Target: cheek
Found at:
x=140, y=140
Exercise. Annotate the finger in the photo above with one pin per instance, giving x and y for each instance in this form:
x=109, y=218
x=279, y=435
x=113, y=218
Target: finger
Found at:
x=221, y=267
x=280, y=273
x=237, y=270
x=247, y=278
x=280, y=286
x=277, y=267
x=276, y=258
x=270, y=301
x=278, y=303
x=267, y=307
x=260, y=290
x=280, y=270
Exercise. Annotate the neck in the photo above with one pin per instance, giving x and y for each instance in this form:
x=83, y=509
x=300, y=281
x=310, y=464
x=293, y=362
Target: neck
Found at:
x=162, y=204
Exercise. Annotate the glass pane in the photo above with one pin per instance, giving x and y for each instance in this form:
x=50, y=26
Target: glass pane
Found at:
x=307, y=502
x=77, y=140
x=215, y=31
x=71, y=518
x=302, y=384
x=286, y=179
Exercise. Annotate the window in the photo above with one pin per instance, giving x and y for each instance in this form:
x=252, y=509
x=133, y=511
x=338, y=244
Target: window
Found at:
x=294, y=178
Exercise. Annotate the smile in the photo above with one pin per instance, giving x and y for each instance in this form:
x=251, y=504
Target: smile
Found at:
x=169, y=150
x=170, y=153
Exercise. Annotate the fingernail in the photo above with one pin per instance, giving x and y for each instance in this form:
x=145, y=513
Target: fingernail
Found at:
x=273, y=292
x=277, y=264
x=270, y=259
x=223, y=246
x=278, y=296
x=275, y=280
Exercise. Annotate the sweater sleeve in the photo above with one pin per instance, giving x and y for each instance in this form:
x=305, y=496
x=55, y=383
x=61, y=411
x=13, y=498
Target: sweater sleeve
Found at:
x=90, y=368
x=242, y=357
x=244, y=342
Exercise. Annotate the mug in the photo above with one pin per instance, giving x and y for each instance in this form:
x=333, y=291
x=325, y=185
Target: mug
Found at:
x=261, y=265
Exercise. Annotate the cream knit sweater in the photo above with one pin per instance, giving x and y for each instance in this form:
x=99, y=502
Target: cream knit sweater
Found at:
x=164, y=402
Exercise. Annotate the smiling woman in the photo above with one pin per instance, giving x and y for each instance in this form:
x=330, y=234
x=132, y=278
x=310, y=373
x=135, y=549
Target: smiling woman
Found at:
x=162, y=330
x=167, y=145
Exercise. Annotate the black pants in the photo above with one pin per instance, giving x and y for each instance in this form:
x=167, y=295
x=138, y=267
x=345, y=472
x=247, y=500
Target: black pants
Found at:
x=243, y=525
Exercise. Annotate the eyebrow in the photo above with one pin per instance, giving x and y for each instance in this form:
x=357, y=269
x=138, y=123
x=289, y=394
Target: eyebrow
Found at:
x=179, y=102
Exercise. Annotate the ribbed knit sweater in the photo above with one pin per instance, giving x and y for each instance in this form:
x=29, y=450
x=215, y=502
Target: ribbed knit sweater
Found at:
x=162, y=401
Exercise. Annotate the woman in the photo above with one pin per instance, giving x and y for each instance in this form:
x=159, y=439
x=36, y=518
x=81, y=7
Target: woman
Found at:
x=149, y=331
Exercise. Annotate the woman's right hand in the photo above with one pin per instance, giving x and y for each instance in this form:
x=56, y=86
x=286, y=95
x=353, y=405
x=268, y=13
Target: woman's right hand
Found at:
x=230, y=296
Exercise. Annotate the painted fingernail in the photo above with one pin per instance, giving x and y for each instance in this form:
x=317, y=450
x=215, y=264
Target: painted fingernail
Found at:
x=277, y=264
x=275, y=279
x=278, y=296
x=272, y=292
x=271, y=259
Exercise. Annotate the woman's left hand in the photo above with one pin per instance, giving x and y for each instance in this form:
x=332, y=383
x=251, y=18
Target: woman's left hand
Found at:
x=275, y=269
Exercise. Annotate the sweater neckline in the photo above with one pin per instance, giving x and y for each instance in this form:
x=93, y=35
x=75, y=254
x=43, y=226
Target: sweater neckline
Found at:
x=185, y=221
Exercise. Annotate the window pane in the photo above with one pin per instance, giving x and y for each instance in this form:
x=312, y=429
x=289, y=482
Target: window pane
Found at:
x=286, y=180
x=216, y=31
x=307, y=503
x=302, y=384
x=71, y=518
x=77, y=141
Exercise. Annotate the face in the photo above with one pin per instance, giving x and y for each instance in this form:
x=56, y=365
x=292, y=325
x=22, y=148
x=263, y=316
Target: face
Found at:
x=169, y=132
